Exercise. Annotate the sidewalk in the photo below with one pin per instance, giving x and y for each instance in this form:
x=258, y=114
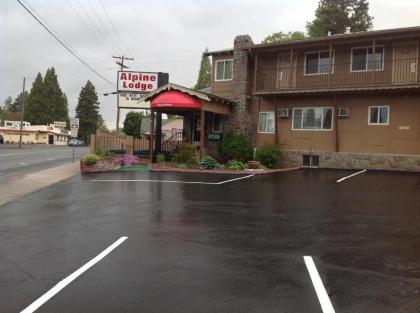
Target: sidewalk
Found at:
x=21, y=186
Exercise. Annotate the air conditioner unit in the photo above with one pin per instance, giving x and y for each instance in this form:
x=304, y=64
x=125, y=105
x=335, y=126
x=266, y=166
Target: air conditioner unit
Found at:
x=343, y=112
x=283, y=113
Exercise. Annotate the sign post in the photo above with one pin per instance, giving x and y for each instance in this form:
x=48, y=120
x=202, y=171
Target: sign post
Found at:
x=74, y=127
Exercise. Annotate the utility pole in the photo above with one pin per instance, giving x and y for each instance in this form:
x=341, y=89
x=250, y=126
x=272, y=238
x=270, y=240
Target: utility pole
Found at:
x=22, y=112
x=122, y=67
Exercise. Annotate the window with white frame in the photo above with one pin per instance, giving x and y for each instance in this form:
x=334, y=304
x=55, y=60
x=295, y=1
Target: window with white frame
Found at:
x=363, y=59
x=217, y=123
x=378, y=115
x=266, y=122
x=224, y=70
x=318, y=62
x=312, y=118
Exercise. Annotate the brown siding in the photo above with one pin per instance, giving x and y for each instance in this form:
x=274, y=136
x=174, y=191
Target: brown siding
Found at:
x=220, y=88
x=354, y=133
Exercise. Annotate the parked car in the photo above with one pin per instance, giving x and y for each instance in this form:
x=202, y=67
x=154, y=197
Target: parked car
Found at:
x=1, y=140
x=76, y=143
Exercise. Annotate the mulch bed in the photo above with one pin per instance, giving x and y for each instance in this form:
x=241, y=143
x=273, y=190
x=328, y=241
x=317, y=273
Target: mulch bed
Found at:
x=156, y=167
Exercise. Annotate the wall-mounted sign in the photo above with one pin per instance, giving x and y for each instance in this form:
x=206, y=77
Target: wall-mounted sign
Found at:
x=215, y=136
x=141, y=82
x=128, y=100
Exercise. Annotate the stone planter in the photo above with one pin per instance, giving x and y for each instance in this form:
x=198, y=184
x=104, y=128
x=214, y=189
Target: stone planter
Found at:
x=254, y=165
x=104, y=165
x=162, y=165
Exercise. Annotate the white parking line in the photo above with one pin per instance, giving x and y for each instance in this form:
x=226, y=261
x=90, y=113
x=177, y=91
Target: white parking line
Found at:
x=172, y=181
x=323, y=298
x=352, y=175
x=63, y=283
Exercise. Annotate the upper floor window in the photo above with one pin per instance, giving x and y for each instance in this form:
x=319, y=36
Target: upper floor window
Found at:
x=378, y=115
x=363, y=59
x=312, y=118
x=224, y=70
x=318, y=63
x=266, y=122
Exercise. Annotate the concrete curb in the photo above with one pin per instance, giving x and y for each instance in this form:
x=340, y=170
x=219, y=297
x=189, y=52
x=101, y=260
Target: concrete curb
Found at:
x=20, y=186
x=247, y=172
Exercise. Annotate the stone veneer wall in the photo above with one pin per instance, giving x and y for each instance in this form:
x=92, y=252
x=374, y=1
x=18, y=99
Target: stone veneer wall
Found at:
x=240, y=121
x=344, y=160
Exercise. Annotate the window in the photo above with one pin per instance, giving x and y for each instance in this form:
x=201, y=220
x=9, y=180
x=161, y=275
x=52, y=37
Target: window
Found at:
x=318, y=63
x=217, y=123
x=362, y=59
x=378, y=115
x=224, y=70
x=310, y=160
x=312, y=118
x=267, y=122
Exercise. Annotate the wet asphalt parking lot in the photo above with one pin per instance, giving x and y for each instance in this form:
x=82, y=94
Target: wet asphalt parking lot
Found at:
x=231, y=247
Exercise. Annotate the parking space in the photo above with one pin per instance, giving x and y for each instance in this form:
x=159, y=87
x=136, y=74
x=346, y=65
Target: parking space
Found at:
x=231, y=247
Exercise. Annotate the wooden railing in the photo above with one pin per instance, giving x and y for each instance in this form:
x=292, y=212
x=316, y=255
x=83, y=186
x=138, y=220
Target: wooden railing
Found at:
x=342, y=75
x=172, y=142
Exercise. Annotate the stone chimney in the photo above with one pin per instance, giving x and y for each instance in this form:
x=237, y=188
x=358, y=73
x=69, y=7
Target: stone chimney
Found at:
x=240, y=121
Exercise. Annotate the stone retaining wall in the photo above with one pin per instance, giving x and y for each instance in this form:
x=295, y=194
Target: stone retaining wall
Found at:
x=344, y=160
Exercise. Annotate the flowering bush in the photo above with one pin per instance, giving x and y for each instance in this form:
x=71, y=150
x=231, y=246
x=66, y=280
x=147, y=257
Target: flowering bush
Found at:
x=128, y=160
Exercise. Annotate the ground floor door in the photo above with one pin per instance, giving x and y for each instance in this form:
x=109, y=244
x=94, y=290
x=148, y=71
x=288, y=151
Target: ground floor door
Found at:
x=196, y=128
x=50, y=139
x=405, y=67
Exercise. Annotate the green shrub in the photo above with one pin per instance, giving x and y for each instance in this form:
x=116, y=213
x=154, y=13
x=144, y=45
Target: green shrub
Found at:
x=236, y=165
x=160, y=158
x=236, y=147
x=103, y=152
x=90, y=158
x=269, y=155
x=186, y=153
x=209, y=163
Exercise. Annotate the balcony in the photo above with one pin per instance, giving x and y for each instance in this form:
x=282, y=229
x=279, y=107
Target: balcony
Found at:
x=392, y=74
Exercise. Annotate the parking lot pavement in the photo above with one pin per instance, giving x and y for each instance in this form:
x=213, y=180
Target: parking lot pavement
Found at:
x=17, y=162
x=234, y=247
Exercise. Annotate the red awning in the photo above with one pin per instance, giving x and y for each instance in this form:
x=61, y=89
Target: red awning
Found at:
x=174, y=99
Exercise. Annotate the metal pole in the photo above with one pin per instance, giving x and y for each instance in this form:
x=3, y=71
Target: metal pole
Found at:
x=22, y=112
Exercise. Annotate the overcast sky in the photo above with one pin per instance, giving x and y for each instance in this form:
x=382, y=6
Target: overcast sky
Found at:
x=161, y=35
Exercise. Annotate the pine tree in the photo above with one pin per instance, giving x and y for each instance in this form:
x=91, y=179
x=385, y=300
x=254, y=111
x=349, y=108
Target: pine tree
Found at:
x=336, y=15
x=17, y=103
x=282, y=37
x=87, y=110
x=55, y=99
x=35, y=110
x=204, y=75
x=8, y=102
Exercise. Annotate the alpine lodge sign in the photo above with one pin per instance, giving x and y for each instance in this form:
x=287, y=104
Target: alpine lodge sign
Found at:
x=139, y=82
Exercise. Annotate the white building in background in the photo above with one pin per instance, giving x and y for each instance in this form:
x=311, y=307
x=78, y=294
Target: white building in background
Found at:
x=35, y=134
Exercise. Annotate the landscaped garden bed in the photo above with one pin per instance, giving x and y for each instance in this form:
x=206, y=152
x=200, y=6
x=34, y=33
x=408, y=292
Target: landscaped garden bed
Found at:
x=106, y=161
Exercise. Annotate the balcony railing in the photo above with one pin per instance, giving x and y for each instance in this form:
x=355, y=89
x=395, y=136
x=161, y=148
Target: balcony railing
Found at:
x=343, y=75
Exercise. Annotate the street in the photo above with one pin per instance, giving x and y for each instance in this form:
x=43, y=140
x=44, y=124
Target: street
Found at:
x=31, y=158
x=236, y=246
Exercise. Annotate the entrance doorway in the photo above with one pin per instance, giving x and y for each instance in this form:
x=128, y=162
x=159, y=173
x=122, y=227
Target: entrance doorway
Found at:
x=50, y=139
x=196, y=129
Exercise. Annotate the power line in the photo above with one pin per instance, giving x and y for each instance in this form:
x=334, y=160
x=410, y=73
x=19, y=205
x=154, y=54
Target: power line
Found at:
x=63, y=44
x=89, y=28
x=114, y=28
x=103, y=25
x=98, y=29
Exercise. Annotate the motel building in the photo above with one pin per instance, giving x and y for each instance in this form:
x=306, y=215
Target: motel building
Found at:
x=343, y=101
x=53, y=134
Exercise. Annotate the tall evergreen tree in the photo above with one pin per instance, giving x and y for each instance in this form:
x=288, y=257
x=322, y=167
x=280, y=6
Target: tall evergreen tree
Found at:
x=87, y=110
x=336, y=15
x=35, y=111
x=17, y=103
x=204, y=75
x=55, y=99
x=282, y=36
x=8, y=102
